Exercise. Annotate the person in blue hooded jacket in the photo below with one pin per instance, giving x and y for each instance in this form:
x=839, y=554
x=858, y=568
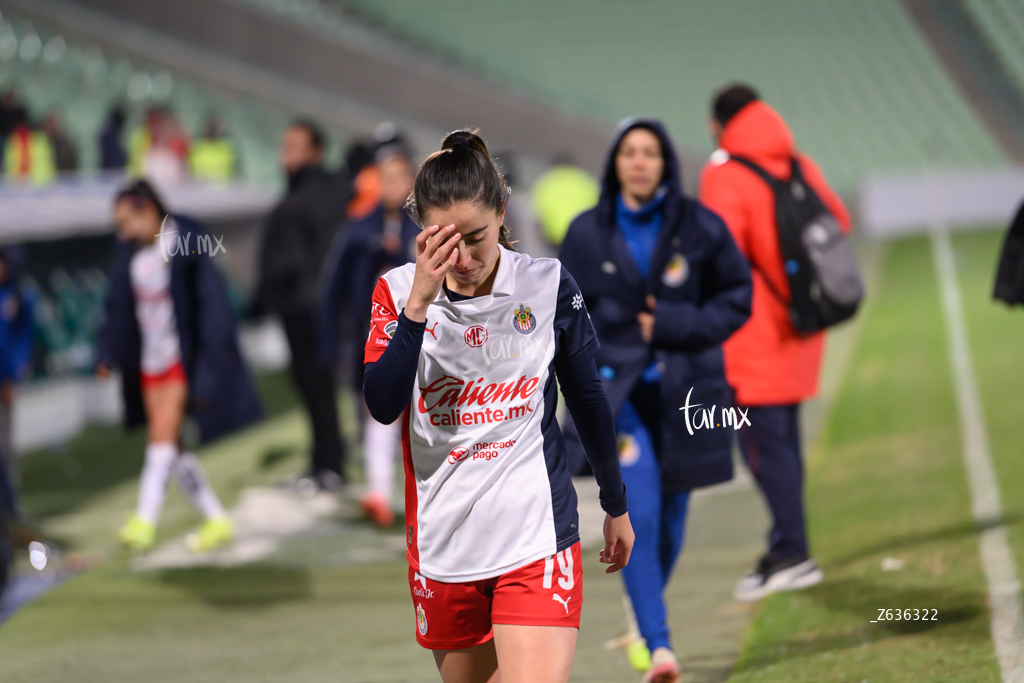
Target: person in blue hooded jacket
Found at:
x=170, y=330
x=665, y=285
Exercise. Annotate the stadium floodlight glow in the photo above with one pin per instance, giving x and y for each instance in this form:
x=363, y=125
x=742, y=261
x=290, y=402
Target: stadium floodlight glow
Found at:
x=162, y=86
x=54, y=50
x=8, y=45
x=140, y=86
x=95, y=65
x=31, y=47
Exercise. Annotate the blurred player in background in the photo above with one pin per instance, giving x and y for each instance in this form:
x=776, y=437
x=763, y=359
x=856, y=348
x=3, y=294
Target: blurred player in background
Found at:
x=665, y=285
x=464, y=346
x=382, y=240
x=171, y=332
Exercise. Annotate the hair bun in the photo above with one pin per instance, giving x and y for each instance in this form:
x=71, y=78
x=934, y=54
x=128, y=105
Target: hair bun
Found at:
x=467, y=138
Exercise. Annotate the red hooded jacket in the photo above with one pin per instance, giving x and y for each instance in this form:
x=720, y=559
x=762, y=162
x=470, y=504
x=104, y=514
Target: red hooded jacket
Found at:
x=766, y=361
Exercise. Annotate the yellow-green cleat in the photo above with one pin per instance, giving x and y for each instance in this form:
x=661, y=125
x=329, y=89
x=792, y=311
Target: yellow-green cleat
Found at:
x=215, y=533
x=638, y=654
x=137, y=534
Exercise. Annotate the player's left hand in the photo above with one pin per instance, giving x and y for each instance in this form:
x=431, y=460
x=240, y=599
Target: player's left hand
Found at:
x=646, y=320
x=618, y=542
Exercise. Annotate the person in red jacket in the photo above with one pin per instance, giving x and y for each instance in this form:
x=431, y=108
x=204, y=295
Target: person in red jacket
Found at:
x=771, y=366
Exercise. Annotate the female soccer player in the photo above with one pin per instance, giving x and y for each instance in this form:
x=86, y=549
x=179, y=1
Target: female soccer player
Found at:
x=666, y=285
x=170, y=330
x=465, y=345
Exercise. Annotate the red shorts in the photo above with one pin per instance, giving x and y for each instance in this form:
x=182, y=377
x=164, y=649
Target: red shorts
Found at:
x=452, y=616
x=173, y=374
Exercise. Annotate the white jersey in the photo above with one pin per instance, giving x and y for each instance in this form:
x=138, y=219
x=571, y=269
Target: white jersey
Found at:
x=487, y=482
x=154, y=309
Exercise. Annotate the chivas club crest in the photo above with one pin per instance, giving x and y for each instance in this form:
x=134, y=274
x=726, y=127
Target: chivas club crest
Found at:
x=676, y=271
x=421, y=619
x=523, y=320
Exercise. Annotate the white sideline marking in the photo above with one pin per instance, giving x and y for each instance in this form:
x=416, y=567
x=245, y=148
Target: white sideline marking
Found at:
x=1004, y=595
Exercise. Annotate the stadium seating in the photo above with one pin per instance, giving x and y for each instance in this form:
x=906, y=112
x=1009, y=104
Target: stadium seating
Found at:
x=82, y=83
x=1001, y=22
x=856, y=81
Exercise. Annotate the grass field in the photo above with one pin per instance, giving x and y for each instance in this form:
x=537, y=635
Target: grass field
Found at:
x=885, y=480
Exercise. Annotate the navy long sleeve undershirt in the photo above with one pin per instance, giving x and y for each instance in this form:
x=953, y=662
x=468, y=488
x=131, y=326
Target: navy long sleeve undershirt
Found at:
x=388, y=384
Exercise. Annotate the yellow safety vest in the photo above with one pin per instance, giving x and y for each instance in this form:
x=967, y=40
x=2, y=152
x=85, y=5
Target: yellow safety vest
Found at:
x=42, y=164
x=561, y=194
x=212, y=159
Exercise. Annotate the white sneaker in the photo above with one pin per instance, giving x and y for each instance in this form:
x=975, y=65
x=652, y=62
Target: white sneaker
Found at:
x=664, y=667
x=773, y=575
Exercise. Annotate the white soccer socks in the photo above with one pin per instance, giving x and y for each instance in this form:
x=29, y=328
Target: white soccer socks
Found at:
x=379, y=443
x=192, y=481
x=153, y=482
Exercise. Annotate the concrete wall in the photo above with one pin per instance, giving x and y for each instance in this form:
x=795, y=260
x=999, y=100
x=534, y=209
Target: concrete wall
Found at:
x=896, y=206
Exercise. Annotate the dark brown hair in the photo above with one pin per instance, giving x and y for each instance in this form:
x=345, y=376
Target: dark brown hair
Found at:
x=317, y=138
x=139, y=193
x=730, y=99
x=461, y=171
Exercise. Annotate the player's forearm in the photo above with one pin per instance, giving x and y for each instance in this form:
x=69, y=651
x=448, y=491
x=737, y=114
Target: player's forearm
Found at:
x=592, y=413
x=388, y=383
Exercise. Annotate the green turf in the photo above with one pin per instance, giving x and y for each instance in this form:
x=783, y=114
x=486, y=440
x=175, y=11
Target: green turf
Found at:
x=886, y=480
x=294, y=617
x=996, y=338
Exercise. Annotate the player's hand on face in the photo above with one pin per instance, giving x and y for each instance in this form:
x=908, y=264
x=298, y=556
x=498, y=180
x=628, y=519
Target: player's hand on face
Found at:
x=436, y=253
x=618, y=542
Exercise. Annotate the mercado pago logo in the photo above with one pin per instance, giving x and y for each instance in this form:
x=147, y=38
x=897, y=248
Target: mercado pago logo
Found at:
x=451, y=401
x=705, y=417
x=480, y=451
x=172, y=242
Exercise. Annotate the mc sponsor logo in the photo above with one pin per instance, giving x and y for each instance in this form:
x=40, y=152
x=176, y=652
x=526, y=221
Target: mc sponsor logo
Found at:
x=476, y=336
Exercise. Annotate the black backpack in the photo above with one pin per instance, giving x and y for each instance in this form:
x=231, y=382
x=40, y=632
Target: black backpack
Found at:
x=825, y=283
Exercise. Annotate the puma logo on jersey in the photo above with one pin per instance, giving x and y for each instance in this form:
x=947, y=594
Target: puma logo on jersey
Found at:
x=565, y=603
x=431, y=331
